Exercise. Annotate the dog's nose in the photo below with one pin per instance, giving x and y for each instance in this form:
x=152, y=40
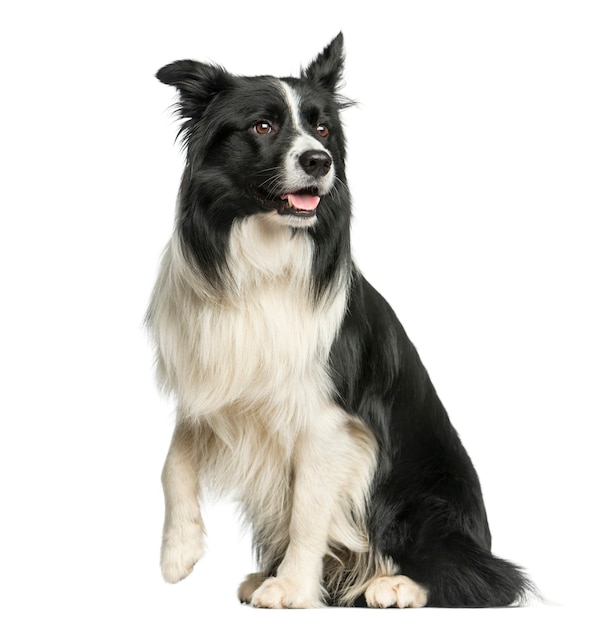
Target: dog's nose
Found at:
x=315, y=162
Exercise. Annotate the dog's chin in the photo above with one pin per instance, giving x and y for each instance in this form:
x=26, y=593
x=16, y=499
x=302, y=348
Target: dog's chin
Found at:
x=297, y=208
x=294, y=221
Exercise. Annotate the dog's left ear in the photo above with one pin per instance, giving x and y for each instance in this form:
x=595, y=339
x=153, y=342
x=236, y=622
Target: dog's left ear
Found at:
x=327, y=68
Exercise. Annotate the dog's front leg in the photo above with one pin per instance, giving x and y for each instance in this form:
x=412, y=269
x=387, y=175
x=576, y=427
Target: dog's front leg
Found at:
x=316, y=482
x=183, y=533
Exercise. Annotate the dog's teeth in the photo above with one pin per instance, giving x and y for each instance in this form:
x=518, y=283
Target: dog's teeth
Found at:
x=289, y=202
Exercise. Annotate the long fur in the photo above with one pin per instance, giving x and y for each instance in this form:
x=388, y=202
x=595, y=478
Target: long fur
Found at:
x=298, y=390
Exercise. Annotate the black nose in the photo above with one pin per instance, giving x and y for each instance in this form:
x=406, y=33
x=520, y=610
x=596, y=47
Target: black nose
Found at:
x=315, y=162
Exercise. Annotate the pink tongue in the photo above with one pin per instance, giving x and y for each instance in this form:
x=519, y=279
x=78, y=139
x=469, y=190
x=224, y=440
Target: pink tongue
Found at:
x=302, y=201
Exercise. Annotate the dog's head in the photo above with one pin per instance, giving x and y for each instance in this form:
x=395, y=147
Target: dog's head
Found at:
x=261, y=144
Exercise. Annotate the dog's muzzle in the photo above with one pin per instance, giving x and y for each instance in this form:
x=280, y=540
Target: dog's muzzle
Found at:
x=305, y=187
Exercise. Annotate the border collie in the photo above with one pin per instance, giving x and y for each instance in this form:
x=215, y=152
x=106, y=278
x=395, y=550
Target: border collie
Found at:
x=297, y=388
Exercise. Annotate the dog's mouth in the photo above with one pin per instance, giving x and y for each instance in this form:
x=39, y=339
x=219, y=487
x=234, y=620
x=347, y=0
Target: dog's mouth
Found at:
x=300, y=203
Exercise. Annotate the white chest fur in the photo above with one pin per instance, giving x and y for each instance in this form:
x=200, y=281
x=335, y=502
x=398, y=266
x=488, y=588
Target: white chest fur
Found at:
x=263, y=343
x=249, y=367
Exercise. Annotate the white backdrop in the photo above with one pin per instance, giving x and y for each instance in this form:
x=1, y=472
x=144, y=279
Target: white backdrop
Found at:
x=474, y=165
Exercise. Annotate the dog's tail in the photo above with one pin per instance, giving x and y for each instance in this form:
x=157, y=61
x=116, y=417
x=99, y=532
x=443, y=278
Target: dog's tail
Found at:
x=467, y=575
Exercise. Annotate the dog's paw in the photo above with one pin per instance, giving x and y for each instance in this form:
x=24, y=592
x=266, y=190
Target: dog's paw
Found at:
x=399, y=591
x=285, y=593
x=181, y=549
x=249, y=585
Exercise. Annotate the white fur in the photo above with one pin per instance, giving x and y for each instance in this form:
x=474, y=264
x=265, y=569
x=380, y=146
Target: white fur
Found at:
x=295, y=176
x=249, y=367
x=398, y=591
x=183, y=535
x=256, y=415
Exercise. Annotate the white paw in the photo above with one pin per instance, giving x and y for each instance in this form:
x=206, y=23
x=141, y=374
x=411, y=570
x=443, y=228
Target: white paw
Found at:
x=285, y=593
x=398, y=591
x=181, y=549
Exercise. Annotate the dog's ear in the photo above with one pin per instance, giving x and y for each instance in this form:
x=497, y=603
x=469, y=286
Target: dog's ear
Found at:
x=197, y=83
x=327, y=68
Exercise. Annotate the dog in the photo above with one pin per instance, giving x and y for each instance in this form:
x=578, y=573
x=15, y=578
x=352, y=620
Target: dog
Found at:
x=298, y=391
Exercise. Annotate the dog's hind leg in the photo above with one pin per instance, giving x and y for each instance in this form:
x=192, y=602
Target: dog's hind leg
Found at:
x=397, y=591
x=183, y=533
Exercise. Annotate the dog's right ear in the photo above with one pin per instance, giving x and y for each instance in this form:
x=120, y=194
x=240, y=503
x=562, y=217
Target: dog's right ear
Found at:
x=197, y=83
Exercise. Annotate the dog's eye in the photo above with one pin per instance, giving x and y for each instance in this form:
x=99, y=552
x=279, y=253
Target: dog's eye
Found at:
x=322, y=130
x=263, y=128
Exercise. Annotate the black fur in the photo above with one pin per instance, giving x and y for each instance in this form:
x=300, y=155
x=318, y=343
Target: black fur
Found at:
x=426, y=510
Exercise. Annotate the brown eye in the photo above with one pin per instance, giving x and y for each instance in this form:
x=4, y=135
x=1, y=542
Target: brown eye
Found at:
x=263, y=128
x=322, y=130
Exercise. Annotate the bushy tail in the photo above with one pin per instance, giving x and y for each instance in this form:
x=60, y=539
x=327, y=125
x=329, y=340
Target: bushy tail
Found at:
x=471, y=576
